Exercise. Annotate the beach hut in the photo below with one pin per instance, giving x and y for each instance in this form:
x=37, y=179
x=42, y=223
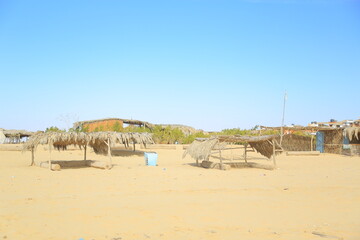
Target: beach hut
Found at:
x=101, y=142
x=327, y=139
x=201, y=149
x=13, y=136
x=335, y=139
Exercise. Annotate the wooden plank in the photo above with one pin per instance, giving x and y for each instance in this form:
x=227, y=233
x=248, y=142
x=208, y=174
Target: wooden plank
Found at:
x=233, y=148
x=99, y=164
x=85, y=152
x=53, y=167
x=303, y=153
x=247, y=139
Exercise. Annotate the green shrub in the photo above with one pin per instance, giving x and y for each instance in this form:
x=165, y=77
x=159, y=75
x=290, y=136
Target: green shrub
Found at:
x=235, y=131
x=190, y=138
x=54, y=129
x=167, y=135
x=117, y=127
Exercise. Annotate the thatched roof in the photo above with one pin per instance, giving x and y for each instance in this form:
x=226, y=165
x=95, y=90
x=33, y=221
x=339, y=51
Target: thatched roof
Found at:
x=16, y=133
x=200, y=149
x=243, y=138
x=96, y=140
x=352, y=132
x=127, y=121
x=303, y=128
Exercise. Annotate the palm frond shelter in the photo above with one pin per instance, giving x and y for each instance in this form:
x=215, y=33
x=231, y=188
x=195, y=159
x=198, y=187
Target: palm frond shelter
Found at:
x=202, y=148
x=14, y=136
x=101, y=142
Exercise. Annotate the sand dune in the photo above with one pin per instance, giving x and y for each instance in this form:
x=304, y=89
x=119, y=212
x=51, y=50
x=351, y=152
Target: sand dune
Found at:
x=308, y=197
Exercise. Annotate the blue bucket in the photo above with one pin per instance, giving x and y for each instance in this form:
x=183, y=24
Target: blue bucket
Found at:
x=151, y=158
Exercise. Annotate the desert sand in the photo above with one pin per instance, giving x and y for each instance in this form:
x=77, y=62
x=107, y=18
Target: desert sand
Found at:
x=307, y=197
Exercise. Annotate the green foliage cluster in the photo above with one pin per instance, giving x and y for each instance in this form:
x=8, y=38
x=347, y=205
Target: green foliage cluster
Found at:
x=54, y=129
x=235, y=131
x=167, y=135
x=190, y=138
x=269, y=132
x=99, y=129
x=117, y=127
x=85, y=129
x=170, y=135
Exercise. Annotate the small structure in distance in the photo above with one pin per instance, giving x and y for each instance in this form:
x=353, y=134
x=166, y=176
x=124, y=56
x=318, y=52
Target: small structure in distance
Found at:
x=108, y=124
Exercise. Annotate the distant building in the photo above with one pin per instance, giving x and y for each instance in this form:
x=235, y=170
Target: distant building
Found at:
x=335, y=124
x=108, y=124
x=339, y=137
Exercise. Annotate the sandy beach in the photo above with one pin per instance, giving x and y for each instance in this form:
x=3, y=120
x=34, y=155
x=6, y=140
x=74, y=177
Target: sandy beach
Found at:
x=307, y=197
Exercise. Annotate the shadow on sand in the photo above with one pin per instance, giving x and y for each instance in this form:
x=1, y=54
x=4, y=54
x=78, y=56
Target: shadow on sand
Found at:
x=235, y=165
x=126, y=152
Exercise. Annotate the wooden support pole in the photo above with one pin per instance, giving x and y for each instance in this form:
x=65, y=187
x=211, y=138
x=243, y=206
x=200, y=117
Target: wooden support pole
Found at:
x=109, y=153
x=32, y=157
x=312, y=140
x=49, y=156
x=134, y=146
x=85, y=152
x=245, y=152
x=274, y=151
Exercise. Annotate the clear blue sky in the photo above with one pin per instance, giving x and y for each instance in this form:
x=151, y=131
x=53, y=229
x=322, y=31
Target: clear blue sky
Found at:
x=210, y=64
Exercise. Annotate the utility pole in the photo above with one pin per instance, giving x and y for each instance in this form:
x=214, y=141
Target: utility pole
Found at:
x=282, y=121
